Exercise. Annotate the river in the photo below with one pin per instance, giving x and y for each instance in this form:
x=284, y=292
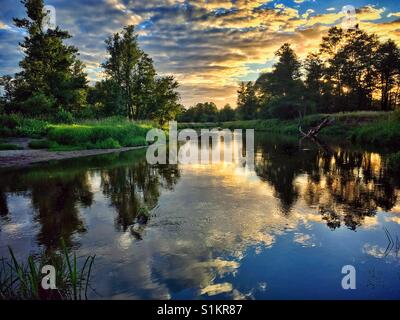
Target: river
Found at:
x=221, y=231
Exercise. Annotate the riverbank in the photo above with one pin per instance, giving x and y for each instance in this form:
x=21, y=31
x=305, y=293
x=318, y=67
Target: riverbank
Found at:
x=379, y=129
x=25, y=158
x=109, y=133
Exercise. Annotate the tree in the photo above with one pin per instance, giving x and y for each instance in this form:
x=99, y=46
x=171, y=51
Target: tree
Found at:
x=282, y=90
x=121, y=65
x=248, y=102
x=145, y=95
x=358, y=76
x=388, y=64
x=166, y=100
x=106, y=99
x=284, y=80
x=314, y=74
x=227, y=113
x=50, y=68
x=145, y=88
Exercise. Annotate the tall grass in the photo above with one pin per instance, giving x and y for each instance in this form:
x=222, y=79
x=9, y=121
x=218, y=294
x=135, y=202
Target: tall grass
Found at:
x=384, y=133
x=99, y=136
x=22, y=280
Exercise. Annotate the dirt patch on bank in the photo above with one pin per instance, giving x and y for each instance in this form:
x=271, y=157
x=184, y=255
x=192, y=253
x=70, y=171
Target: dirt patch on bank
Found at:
x=23, y=158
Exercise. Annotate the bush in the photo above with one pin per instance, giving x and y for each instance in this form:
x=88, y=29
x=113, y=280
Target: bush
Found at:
x=109, y=143
x=383, y=133
x=285, y=108
x=63, y=116
x=33, y=128
x=8, y=146
x=37, y=105
x=40, y=144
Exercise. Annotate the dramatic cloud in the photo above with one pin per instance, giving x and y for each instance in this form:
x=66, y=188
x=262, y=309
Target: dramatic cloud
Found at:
x=209, y=45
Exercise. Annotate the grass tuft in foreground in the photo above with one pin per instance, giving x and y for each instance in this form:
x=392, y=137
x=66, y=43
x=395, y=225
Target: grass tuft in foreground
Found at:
x=22, y=280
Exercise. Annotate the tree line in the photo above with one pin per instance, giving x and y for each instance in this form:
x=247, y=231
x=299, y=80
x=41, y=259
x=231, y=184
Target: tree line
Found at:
x=52, y=81
x=352, y=71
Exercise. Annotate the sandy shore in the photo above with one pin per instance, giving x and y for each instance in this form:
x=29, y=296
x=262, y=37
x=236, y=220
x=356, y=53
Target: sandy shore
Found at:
x=23, y=158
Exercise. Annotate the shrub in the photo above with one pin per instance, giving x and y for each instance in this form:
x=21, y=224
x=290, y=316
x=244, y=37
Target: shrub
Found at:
x=33, y=128
x=40, y=144
x=109, y=143
x=38, y=104
x=382, y=133
x=286, y=108
x=9, y=146
x=63, y=116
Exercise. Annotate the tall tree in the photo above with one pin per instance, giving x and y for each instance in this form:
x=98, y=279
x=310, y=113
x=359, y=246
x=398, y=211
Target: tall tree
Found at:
x=248, y=102
x=388, y=64
x=50, y=68
x=166, y=100
x=359, y=74
x=315, y=71
x=121, y=65
x=145, y=88
x=285, y=77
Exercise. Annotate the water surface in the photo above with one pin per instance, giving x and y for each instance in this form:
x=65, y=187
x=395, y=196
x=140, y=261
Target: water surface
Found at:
x=219, y=231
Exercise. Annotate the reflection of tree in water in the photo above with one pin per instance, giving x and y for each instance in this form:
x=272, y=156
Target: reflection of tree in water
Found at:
x=58, y=191
x=349, y=186
x=55, y=197
x=56, y=202
x=136, y=186
x=280, y=165
x=346, y=186
x=3, y=203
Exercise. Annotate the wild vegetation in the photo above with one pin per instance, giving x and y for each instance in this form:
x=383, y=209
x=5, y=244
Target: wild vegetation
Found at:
x=52, y=88
x=22, y=280
x=51, y=98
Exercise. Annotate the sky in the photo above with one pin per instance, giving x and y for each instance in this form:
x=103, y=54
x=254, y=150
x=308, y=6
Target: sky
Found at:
x=208, y=45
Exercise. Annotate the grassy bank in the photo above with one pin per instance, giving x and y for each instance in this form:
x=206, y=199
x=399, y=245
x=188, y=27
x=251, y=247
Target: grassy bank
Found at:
x=378, y=129
x=110, y=133
x=364, y=128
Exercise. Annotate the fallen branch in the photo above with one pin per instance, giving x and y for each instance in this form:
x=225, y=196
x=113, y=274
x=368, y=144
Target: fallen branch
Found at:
x=313, y=132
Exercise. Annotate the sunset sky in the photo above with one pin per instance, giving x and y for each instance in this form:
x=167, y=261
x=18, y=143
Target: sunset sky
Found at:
x=208, y=45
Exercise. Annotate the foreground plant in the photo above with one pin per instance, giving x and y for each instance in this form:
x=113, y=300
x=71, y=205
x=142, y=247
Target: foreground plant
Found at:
x=23, y=280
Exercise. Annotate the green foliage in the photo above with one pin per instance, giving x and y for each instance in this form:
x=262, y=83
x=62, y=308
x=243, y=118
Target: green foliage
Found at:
x=40, y=144
x=201, y=112
x=9, y=146
x=63, y=116
x=38, y=104
x=133, y=88
x=20, y=126
x=98, y=135
x=51, y=75
x=109, y=143
x=33, y=128
x=105, y=99
x=21, y=280
x=380, y=133
x=227, y=113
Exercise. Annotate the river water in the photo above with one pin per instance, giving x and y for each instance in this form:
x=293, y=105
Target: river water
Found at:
x=221, y=231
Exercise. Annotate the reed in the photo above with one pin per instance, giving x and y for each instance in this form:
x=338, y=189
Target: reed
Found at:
x=22, y=280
